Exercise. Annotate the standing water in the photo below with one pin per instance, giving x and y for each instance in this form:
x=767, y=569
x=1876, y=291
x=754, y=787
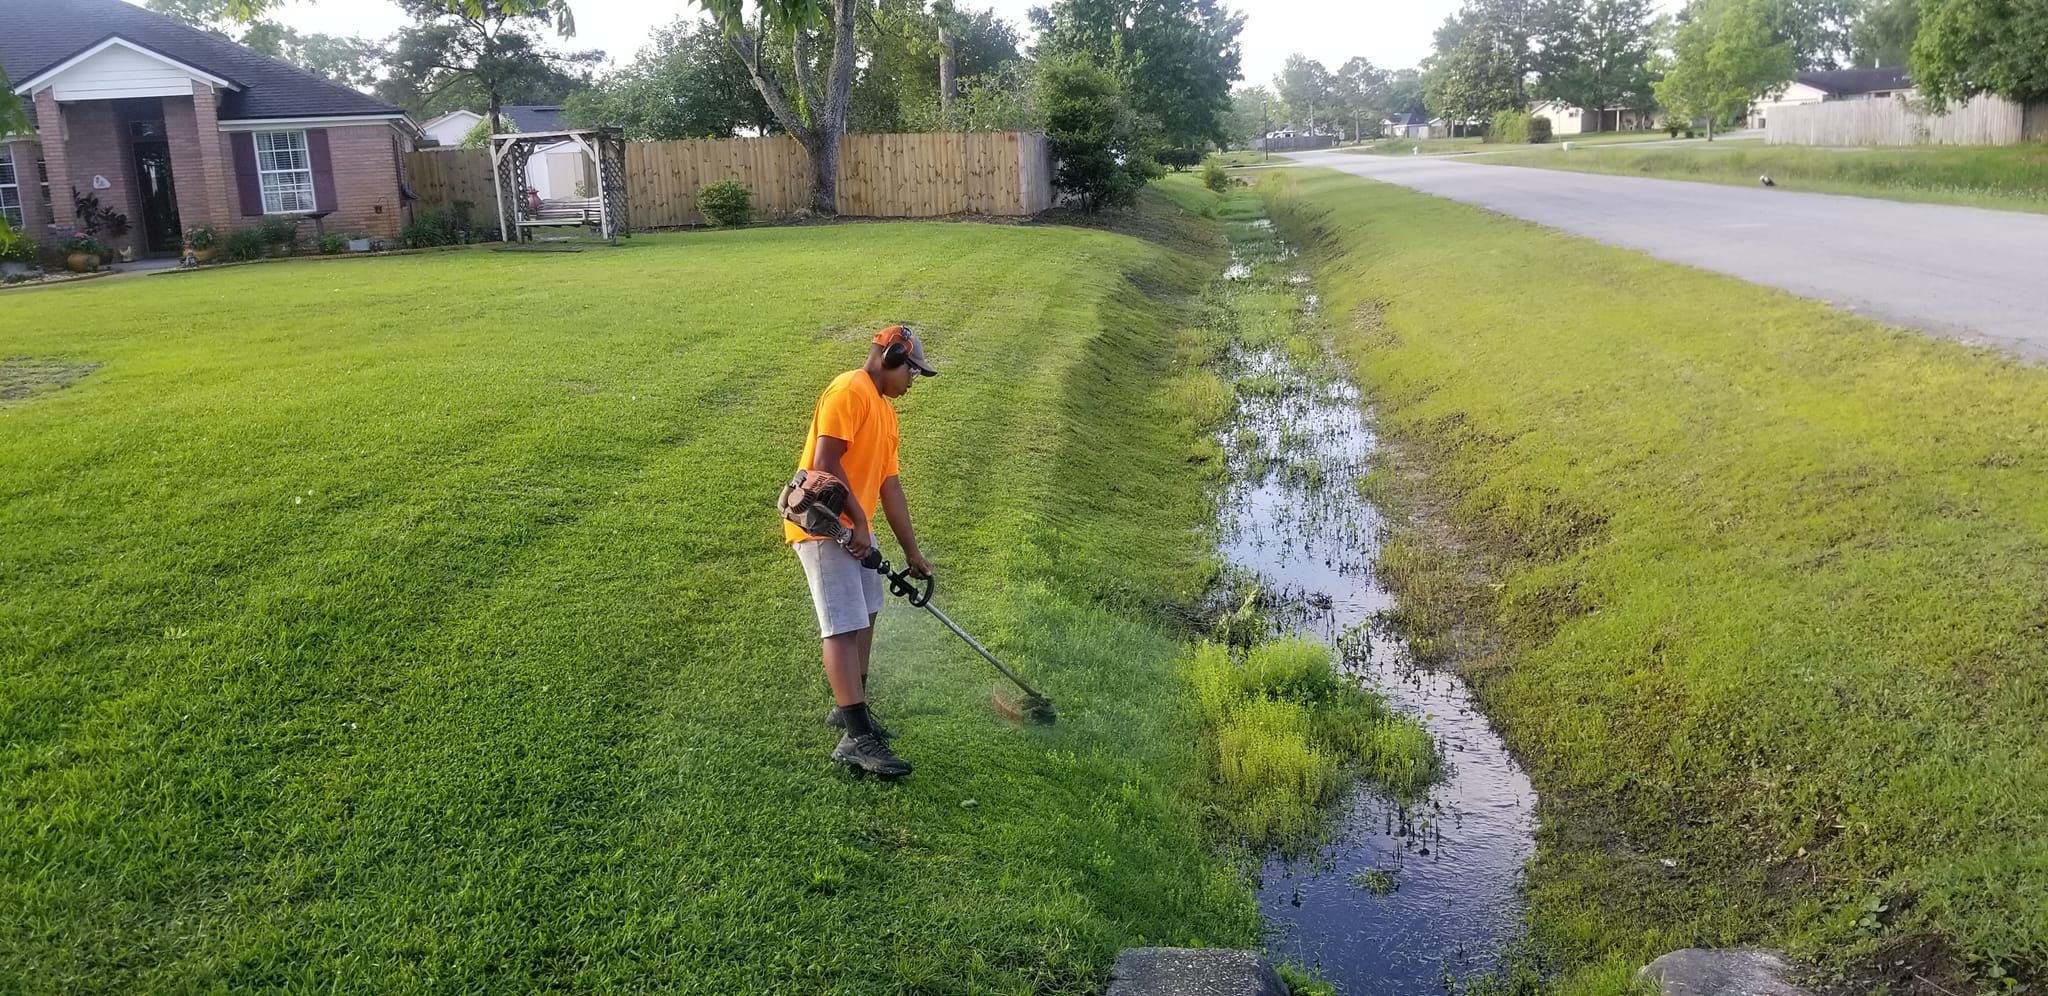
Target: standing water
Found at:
x=1294, y=520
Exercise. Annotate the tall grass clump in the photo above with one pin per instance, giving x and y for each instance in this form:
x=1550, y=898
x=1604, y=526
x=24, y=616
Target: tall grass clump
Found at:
x=1290, y=731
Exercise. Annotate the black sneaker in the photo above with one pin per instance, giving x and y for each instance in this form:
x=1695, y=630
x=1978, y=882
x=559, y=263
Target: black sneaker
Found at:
x=837, y=720
x=869, y=754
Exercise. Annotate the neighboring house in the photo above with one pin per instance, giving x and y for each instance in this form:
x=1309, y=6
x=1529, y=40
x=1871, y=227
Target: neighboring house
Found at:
x=449, y=129
x=1568, y=120
x=1406, y=124
x=1822, y=85
x=175, y=127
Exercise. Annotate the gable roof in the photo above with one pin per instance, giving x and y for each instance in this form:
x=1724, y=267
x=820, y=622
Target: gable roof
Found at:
x=1843, y=82
x=534, y=117
x=39, y=35
x=1405, y=118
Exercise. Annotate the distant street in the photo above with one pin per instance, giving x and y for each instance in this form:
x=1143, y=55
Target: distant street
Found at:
x=1971, y=274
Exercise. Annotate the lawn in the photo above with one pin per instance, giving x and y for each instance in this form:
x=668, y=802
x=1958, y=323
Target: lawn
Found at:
x=1769, y=604
x=1408, y=146
x=423, y=624
x=1245, y=157
x=2011, y=177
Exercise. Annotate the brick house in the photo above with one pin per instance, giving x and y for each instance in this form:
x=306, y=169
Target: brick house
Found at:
x=174, y=127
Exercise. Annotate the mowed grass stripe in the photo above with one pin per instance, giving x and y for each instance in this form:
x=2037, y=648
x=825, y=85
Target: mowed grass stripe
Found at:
x=522, y=691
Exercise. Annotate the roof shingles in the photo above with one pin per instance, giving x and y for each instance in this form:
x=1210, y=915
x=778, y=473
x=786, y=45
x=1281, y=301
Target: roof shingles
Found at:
x=38, y=34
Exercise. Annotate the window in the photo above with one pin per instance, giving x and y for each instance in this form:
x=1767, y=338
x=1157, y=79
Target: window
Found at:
x=43, y=175
x=285, y=171
x=10, y=192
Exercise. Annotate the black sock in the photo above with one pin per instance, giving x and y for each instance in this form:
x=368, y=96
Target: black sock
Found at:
x=856, y=716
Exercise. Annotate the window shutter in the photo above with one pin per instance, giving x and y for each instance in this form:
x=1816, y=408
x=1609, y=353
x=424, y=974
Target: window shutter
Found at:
x=323, y=169
x=247, y=184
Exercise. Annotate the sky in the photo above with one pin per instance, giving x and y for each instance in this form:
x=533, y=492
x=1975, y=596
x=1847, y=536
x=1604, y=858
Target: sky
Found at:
x=1394, y=34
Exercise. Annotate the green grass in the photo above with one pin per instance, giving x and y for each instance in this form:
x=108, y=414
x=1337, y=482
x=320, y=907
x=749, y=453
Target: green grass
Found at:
x=1246, y=157
x=1407, y=146
x=1770, y=599
x=422, y=624
x=2011, y=177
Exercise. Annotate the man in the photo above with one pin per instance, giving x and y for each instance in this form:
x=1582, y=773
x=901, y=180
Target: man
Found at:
x=853, y=438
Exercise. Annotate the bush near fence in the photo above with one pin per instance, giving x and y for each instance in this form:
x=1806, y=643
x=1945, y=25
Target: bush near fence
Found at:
x=880, y=176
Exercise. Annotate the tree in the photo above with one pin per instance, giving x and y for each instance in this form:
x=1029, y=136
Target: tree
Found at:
x=1481, y=62
x=1304, y=88
x=1250, y=110
x=1595, y=54
x=1176, y=60
x=687, y=84
x=1403, y=91
x=350, y=61
x=811, y=109
x=1884, y=35
x=905, y=51
x=1094, y=133
x=1724, y=56
x=485, y=48
x=1358, y=96
x=1971, y=47
x=1817, y=31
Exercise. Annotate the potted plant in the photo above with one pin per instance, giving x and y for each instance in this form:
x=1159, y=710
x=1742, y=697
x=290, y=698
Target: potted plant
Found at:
x=84, y=252
x=200, y=242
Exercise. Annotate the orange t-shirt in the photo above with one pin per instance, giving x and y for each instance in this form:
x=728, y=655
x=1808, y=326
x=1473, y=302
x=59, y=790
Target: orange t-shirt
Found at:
x=851, y=409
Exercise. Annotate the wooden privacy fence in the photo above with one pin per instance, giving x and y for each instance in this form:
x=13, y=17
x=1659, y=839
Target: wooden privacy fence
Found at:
x=1983, y=120
x=880, y=176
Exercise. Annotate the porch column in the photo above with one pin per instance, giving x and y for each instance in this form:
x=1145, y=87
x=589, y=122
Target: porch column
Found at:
x=188, y=173
x=57, y=154
x=95, y=145
x=210, y=197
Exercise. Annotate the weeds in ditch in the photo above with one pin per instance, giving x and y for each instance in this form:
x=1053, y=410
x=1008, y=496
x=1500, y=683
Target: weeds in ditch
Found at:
x=1289, y=729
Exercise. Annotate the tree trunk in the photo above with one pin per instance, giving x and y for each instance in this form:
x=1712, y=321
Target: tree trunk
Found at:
x=824, y=153
x=1710, y=127
x=495, y=105
x=948, y=77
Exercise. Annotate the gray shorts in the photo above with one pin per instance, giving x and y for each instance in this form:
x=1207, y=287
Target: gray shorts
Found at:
x=844, y=593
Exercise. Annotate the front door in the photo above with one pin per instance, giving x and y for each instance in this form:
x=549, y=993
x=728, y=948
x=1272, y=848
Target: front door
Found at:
x=160, y=229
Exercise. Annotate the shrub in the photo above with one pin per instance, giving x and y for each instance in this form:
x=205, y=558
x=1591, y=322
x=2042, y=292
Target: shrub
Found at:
x=1215, y=178
x=1179, y=159
x=1539, y=130
x=281, y=234
x=245, y=244
x=1509, y=127
x=83, y=242
x=726, y=203
x=1094, y=134
x=14, y=246
x=201, y=237
x=331, y=244
x=431, y=228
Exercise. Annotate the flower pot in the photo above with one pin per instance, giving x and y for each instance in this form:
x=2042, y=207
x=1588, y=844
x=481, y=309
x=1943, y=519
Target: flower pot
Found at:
x=201, y=255
x=127, y=254
x=79, y=262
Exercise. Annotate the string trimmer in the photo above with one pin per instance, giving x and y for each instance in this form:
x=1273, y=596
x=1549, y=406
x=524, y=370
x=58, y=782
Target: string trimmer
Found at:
x=814, y=499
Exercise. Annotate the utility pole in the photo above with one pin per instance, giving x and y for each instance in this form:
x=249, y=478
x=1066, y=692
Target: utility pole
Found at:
x=1266, y=129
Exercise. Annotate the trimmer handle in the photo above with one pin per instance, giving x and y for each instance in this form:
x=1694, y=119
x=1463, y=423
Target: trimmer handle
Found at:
x=903, y=583
x=873, y=561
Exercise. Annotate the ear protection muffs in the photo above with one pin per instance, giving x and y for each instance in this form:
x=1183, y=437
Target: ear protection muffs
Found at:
x=895, y=351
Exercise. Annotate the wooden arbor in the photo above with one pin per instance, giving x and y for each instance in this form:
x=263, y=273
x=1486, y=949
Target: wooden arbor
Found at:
x=605, y=212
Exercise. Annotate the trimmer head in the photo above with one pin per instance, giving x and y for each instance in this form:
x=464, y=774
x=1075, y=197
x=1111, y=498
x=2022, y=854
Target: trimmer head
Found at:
x=1019, y=707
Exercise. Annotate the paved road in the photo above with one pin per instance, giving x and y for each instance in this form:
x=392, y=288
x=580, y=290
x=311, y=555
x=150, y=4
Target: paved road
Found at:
x=1971, y=274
